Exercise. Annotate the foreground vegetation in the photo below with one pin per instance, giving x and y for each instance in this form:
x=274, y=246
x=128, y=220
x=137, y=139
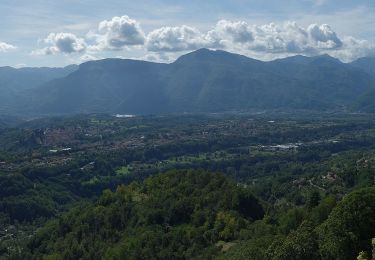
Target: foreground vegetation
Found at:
x=193, y=214
x=216, y=186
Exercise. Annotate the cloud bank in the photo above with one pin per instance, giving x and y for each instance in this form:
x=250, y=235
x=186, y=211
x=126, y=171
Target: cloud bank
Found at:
x=274, y=38
x=175, y=39
x=5, y=47
x=65, y=43
x=118, y=33
x=267, y=41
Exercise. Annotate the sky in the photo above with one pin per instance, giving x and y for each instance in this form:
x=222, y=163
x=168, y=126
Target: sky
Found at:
x=58, y=33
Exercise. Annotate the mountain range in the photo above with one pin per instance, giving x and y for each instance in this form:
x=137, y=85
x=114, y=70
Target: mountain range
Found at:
x=15, y=83
x=201, y=81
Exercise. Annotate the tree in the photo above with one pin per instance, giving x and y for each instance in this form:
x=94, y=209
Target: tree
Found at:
x=350, y=227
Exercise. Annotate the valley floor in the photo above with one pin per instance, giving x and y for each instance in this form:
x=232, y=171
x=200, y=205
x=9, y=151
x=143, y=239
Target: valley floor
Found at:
x=300, y=169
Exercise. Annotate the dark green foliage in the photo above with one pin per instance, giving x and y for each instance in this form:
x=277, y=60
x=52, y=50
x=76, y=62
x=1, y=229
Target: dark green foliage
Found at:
x=321, y=212
x=251, y=249
x=299, y=244
x=350, y=227
x=313, y=199
x=186, y=214
x=179, y=214
x=22, y=200
x=348, y=231
x=291, y=220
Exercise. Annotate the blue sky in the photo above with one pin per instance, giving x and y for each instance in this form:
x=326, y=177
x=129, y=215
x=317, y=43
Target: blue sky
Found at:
x=58, y=33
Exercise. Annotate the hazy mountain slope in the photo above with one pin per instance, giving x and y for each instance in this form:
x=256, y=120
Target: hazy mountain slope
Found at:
x=332, y=81
x=367, y=64
x=207, y=80
x=26, y=78
x=103, y=86
x=217, y=81
x=14, y=81
x=202, y=81
x=9, y=121
x=365, y=103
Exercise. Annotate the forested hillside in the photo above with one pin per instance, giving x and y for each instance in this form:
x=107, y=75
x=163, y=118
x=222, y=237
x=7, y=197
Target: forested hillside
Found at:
x=175, y=215
x=192, y=214
x=264, y=186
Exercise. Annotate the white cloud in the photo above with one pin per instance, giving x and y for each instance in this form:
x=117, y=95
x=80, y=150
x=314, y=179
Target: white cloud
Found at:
x=88, y=57
x=270, y=41
x=356, y=22
x=159, y=57
x=353, y=48
x=175, y=39
x=4, y=47
x=241, y=37
x=236, y=32
x=66, y=43
x=324, y=36
x=117, y=33
x=288, y=37
x=266, y=42
x=20, y=65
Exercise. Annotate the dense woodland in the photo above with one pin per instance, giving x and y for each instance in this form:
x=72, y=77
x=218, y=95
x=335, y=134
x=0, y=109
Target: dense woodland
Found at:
x=251, y=186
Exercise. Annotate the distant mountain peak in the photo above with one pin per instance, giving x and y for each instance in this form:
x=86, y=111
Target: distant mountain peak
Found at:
x=325, y=58
x=365, y=63
x=298, y=59
x=201, y=81
x=219, y=56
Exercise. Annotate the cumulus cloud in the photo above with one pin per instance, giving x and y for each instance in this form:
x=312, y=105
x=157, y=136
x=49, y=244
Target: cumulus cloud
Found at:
x=324, y=36
x=230, y=32
x=288, y=37
x=353, y=48
x=119, y=32
x=87, y=57
x=159, y=57
x=175, y=39
x=4, y=47
x=239, y=36
x=62, y=43
x=267, y=41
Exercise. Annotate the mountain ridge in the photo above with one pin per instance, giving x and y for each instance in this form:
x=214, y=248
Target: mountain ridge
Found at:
x=200, y=81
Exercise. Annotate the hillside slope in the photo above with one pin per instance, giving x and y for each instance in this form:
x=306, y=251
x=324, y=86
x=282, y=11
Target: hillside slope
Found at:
x=13, y=83
x=177, y=215
x=202, y=81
